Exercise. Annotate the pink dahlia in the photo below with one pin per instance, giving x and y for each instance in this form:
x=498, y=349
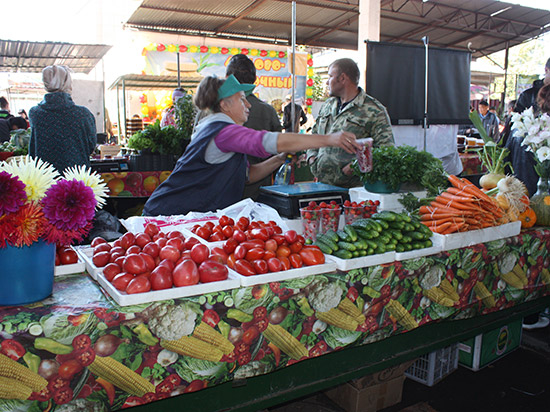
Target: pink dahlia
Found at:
x=12, y=193
x=69, y=204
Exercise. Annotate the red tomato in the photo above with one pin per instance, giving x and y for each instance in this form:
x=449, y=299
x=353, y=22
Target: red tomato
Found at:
x=300, y=239
x=149, y=261
x=283, y=251
x=211, y=318
x=57, y=261
x=212, y=271
x=285, y=262
x=269, y=254
x=168, y=263
x=204, y=232
x=127, y=240
x=250, y=335
x=230, y=245
x=134, y=264
x=177, y=242
x=210, y=225
x=115, y=256
x=69, y=368
x=118, y=249
x=217, y=228
x=218, y=251
x=161, y=278
x=228, y=231
x=254, y=254
x=224, y=220
x=290, y=236
x=139, y=284
x=170, y=253
x=254, y=225
x=277, y=230
x=102, y=247
x=175, y=234
x=243, y=223
x=244, y=267
x=280, y=239
x=190, y=242
x=12, y=348
x=161, y=241
x=119, y=260
x=142, y=239
x=151, y=229
x=68, y=257
x=152, y=249
x=101, y=259
x=239, y=235
x=274, y=265
x=260, y=234
x=312, y=256
x=116, y=243
x=231, y=261
x=296, y=247
x=271, y=245
x=296, y=261
x=121, y=280
x=199, y=253
x=217, y=237
x=240, y=252
x=185, y=274
x=194, y=386
x=250, y=244
x=111, y=270
x=134, y=249
x=98, y=240
x=260, y=266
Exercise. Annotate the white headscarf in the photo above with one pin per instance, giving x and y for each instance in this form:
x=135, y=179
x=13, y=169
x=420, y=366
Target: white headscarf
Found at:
x=57, y=79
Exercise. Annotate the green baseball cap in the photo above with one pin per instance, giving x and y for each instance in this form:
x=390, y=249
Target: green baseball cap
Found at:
x=231, y=86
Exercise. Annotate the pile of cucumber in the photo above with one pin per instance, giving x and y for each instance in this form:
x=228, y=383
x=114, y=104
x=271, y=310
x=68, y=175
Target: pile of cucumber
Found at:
x=383, y=232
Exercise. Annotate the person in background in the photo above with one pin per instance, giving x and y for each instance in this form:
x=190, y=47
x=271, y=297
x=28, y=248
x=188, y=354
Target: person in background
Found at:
x=10, y=124
x=23, y=114
x=169, y=114
x=528, y=97
x=300, y=117
x=4, y=108
x=212, y=172
x=505, y=134
x=490, y=120
x=62, y=133
x=261, y=116
x=351, y=109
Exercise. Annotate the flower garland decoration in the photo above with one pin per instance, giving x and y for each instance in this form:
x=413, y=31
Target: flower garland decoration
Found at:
x=36, y=203
x=536, y=136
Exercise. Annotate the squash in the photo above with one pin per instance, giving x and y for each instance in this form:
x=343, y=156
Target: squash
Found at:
x=528, y=218
x=541, y=205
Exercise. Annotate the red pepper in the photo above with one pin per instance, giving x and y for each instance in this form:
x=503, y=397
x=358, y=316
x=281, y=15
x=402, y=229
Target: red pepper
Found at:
x=109, y=389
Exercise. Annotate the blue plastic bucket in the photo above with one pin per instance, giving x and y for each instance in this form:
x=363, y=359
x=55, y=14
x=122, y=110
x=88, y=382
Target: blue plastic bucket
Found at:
x=26, y=273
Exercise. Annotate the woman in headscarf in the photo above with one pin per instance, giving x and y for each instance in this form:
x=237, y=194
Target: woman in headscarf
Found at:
x=212, y=172
x=62, y=133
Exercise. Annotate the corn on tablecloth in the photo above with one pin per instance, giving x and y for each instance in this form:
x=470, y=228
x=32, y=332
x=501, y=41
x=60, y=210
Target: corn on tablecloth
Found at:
x=78, y=350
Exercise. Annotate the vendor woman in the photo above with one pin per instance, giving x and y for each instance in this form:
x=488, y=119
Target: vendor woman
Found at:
x=212, y=172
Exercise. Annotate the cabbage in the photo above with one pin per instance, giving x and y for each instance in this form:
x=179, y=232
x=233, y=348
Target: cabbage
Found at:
x=299, y=283
x=337, y=337
x=506, y=262
x=432, y=277
x=57, y=327
x=245, y=301
x=13, y=405
x=190, y=369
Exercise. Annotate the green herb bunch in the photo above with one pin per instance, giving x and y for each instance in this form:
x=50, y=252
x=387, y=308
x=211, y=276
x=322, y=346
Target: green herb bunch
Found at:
x=157, y=140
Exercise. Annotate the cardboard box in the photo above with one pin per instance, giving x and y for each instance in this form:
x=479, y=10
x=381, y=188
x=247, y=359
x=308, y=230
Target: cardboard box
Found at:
x=369, y=399
x=372, y=392
x=109, y=150
x=484, y=349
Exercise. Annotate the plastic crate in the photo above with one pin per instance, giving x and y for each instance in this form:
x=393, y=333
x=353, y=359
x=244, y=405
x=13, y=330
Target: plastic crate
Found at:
x=431, y=368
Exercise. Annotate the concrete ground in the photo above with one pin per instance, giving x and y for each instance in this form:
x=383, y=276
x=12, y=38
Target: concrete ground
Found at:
x=518, y=382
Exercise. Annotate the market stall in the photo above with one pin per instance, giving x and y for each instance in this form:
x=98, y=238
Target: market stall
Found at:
x=262, y=339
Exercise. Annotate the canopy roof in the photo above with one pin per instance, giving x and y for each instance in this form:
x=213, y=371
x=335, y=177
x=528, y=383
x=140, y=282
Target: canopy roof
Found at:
x=146, y=82
x=32, y=57
x=480, y=26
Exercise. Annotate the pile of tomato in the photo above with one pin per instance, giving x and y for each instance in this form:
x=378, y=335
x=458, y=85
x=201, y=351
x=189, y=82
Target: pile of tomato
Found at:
x=65, y=255
x=257, y=247
x=153, y=260
x=223, y=230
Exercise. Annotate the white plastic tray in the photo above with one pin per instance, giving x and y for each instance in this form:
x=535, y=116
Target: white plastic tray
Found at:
x=413, y=254
x=327, y=267
x=473, y=237
x=123, y=299
x=86, y=253
x=364, y=261
x=77, y=267
x=388, y=201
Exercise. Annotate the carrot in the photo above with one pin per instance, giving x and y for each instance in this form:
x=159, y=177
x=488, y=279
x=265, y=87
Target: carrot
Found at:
x=442, y=209
x=456, y=204
x=437, y=204
x=440, y=229
x=457, y=198
x=436, y=216
x=438, y=222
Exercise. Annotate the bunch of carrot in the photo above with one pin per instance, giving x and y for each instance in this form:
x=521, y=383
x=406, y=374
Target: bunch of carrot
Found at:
x=460, y=208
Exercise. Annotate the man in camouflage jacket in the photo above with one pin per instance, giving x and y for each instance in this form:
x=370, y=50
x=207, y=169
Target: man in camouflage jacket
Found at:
x=349, y=108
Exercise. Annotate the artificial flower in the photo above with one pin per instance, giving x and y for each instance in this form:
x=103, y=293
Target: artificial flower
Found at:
x=90, y=179
x=12, y=193
x=69, y=204
x=36, y=174
x=28, y=225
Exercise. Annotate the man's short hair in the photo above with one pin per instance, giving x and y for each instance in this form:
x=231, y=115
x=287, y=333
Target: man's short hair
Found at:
x=348, y=67
x=242, y=68
x=3, y=102
x=17, y=121
x=547, y=64
x=484, y=103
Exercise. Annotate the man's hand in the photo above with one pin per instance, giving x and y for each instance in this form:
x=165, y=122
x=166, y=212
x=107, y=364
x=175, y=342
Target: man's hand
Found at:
x=344, y=140
x=347, y=170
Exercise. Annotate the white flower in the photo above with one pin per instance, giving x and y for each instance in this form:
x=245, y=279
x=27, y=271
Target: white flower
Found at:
x=37, y=175
x=90, y=179
x=543, y=153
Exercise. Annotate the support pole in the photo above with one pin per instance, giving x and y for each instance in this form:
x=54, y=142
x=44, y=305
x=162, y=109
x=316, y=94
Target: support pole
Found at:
x=426, y=40
x=292, y=94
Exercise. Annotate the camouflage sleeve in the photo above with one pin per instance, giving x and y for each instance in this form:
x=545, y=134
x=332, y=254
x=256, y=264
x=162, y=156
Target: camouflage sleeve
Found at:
x=312, y=152
x=382, y=131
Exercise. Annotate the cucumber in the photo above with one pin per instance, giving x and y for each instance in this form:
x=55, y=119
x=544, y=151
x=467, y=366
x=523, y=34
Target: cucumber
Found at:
x=417, y=245
x=364, y=234
x=372, y=244
x=384, y=239
x=390, y=246
x=409, y=227
x=381, y=248
x=355, y=253
x=406, y=239
x=396, y=234
x=361, y=244
x=343, y=254
x=343, y=236
x=331, y=234
x=361, y=223
x=347, y=246
x=386, y=215
x=416, y=235
x=376, y=225
x=428, y=243
x=328, y=241
x=398, y=224
x=362, y=252
x=408, y=247
x=399, y=248
x=351, y=232
x=324, y=247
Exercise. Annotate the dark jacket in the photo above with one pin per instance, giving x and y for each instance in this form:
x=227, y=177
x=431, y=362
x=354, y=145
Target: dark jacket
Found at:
x=287, y=117
x=4, y=131
x=528, y=97
x=523, y=162
x=63, y=134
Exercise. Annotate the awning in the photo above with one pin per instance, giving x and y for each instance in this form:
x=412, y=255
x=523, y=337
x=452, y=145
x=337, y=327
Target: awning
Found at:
x=150, y=82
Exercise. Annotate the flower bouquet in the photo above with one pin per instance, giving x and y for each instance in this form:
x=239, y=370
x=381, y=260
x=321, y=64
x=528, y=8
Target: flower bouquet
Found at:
x=39, y=209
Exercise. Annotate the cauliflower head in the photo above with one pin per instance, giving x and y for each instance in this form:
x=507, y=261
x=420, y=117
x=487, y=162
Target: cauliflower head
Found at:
x=325, y=296
x=171, y=322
